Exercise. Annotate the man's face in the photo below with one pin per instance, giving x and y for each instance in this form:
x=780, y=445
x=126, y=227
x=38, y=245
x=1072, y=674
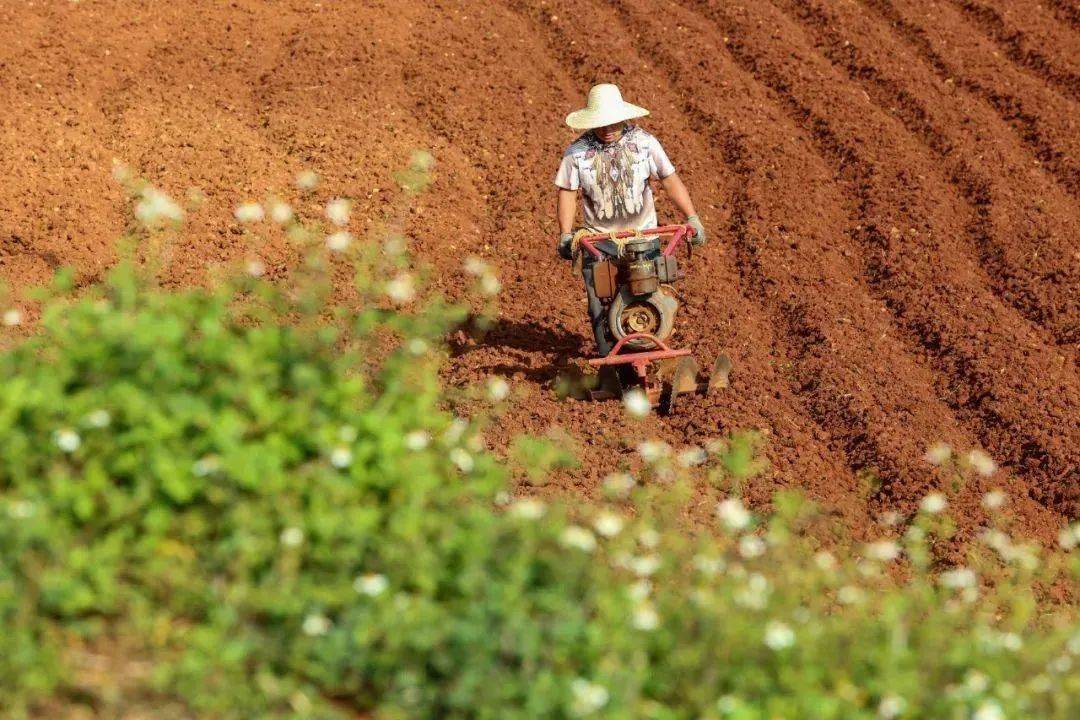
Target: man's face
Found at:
x=609, y=133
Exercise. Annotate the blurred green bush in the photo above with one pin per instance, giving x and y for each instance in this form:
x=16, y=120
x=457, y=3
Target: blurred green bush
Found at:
x=272, y=522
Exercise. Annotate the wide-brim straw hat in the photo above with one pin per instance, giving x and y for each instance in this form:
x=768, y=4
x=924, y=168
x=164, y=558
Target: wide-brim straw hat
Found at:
x=605, y=106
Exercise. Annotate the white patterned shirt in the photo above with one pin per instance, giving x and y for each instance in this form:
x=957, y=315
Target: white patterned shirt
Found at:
x=614, y=178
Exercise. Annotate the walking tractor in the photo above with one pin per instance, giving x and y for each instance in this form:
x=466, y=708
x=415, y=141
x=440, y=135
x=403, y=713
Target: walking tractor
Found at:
x=632, y=274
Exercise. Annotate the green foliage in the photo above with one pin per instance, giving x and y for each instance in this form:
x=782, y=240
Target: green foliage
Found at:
x=536, y=457
x=417, y=176
x=273, y=523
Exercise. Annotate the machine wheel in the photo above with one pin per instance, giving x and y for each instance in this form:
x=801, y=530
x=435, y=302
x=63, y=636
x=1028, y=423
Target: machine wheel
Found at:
x=653, y=313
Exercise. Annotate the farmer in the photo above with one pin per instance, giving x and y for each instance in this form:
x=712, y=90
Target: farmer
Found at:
x=611, y=164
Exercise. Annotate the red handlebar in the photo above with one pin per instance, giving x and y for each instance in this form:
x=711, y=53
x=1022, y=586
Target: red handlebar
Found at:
x=678, y=233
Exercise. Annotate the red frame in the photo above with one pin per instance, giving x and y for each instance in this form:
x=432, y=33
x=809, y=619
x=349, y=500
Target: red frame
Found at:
x=644, y=357
x=678, y=233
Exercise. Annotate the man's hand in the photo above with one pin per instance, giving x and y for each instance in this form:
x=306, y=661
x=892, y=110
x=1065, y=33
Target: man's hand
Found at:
x=699, y=231
x=566, y=246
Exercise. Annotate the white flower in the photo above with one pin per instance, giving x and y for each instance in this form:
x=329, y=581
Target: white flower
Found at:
x=422, y=160
x=778, y=635
x=339, y=241
x=890, y=707
x=733, y=514
x=751, y=546
x=619, y=484
x=1060, y=665
x=644, y=565
x=989, y=710
x=417, y=440
x=652, y=451
x=850, y=595
x=401, y=289
x=457, y=428
x=890, y=518
x=490, y=285
x=728, y=704
x=915, y=534
x=709, y=566
x=463, y=460
x=341, y=457
x=371, y=584
x=578, y=537
x=99, y=419
x=958, y=579
x=306, y=180
x=67, y=440
x=12, y=317
x=933, y=503
x=20, y=509
x=281, y=213
x=1011, y=642
x=825, y=561
x=1073, y=644
x=337, y=211
x=497, y=389
x=316, y=624
x=418, y=346
x=867, y=568
x=156, y=207
x=994, y=499
x=255, y=268
x=637, y=403
x=938, y=454
x=692, y=456
x=645, y=617
x=608, y=524
x=649, y=538
x=121, y=172
x=882, y=550
x=249, y=212
x=205, y=466
x=976, y=682
x=981, y=463
x=755, y=594
x=640, y=590
x=1069, y=537
x=528, y=509
x=291, y=537
x=587, y=697
x=997, y=540
x=475, y=266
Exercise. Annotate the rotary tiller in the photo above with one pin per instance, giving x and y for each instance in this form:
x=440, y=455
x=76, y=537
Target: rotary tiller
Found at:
x=632, y=276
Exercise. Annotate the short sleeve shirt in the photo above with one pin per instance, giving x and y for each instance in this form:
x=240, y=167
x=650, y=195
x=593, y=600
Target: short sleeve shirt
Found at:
x=614, y=178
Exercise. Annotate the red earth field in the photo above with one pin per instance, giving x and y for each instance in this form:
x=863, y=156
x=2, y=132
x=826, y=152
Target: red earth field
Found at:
x=891, y=188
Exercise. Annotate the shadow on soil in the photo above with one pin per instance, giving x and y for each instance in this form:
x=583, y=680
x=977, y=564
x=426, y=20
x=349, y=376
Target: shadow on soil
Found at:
x=519, y=340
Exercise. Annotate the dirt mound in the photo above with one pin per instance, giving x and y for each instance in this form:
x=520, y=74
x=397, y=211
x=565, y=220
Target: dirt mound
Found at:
x=891, y=187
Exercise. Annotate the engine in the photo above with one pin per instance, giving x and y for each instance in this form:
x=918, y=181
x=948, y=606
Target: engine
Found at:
x=635, y=284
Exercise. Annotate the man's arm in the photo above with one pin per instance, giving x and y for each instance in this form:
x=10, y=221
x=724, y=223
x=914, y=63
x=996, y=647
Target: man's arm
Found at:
x=679, y=195
x=567, y=210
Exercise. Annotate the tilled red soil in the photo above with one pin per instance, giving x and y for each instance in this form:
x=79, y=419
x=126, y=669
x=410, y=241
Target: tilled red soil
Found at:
x=891, y=188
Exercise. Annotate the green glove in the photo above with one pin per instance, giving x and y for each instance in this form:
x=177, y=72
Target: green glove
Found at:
x=566, y=246
x=698, y=238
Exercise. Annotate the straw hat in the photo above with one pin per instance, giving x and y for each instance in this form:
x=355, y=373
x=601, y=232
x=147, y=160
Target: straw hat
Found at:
x=605, y=106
